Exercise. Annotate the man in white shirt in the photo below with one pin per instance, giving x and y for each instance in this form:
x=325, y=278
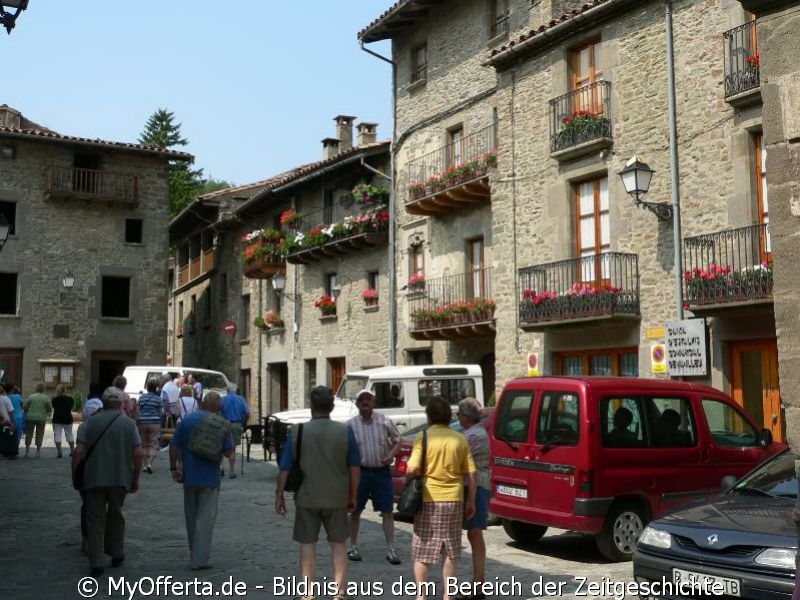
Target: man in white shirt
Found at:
x=7, y=411
x=170, y=392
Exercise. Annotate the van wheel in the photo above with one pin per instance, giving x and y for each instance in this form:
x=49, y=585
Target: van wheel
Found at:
x=524, y=533
x=624, y=524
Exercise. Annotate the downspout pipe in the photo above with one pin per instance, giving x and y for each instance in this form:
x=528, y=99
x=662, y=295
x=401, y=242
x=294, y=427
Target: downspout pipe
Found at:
x=392, y=217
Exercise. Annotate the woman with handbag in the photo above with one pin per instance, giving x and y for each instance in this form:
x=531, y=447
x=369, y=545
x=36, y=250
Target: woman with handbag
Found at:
x=446, y=463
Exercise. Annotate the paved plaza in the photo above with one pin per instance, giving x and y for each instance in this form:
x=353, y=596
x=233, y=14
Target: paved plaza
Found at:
x=252, y=554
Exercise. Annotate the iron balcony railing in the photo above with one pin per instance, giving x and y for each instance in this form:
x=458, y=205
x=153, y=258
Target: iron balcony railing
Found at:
x=742, y=61
x=580, y=288
x=580, y=116
x=734, y=265
x=91, y=183
x=328, y=215
x=453, y=300
x=469, y=151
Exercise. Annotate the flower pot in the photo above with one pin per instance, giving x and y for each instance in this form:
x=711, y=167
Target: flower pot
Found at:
x=370, y=302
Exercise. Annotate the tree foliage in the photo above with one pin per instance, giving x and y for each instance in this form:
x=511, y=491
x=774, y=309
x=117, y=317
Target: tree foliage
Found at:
x=185, y=183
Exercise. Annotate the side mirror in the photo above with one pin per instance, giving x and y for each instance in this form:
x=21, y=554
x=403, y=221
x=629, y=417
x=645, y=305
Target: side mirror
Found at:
x=728, y=482
x=765, y=438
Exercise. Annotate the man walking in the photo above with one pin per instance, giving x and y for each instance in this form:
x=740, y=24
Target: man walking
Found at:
x=330, y=462
x=199, y=476
x=236, y=410
x=110, y=472
x=378, y=442
x=169, y=396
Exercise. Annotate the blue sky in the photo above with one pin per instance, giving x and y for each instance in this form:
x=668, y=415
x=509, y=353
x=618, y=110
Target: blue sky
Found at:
x=254, y=83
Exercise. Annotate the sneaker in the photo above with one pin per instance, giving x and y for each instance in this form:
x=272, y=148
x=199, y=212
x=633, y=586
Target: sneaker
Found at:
x=232, y=475
x=391, y=556
x=353, y=553
x=149, y=469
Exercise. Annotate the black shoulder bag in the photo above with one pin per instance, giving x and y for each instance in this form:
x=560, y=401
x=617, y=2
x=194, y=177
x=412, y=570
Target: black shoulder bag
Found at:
x=80, y=468
x=410, y=502
x=295, y=479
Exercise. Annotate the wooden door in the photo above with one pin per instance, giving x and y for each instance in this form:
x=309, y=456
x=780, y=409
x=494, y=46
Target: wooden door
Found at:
x=754, y=383
x=337, y=370
x=586, y=70
x=593, y=233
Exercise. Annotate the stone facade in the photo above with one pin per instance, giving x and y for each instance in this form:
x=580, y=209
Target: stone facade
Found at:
x=57, y=334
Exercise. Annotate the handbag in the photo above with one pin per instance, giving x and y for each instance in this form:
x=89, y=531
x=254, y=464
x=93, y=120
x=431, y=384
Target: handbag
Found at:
x=410, y=501
x=80, y=468
x=296, y=476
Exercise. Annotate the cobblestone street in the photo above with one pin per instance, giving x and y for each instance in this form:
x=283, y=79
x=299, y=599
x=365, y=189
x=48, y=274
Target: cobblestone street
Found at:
x=41, y=558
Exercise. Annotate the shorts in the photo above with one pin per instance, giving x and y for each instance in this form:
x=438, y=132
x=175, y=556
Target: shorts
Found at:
x=480, y=520
x=58, y=428
x=236, y=433
x=307, y=522
x=376, y=484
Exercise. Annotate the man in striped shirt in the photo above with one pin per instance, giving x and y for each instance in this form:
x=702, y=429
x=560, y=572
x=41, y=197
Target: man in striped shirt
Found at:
x=378, y=441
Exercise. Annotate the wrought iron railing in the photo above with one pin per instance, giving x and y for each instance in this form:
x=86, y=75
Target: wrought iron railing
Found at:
x=92, y=183
x=734, y=265
x=453, y=300
x=469, y=151
x=500, y=25
x=742, y=61
x=580, y=288
x=335, y=213
x=580, y=116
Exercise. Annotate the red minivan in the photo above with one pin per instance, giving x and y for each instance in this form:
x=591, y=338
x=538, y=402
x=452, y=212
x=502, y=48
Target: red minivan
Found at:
x=605, y=455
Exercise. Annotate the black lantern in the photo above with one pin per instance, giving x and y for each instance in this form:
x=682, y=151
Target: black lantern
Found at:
x=636, y=178
x=7, y=18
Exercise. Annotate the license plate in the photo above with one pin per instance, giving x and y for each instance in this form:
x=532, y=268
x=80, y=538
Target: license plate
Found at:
x=517, y=492
x=722, y=585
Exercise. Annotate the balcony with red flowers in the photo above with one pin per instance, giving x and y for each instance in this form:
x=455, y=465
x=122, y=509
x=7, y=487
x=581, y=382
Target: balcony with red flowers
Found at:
x=263, y=254
x=742, y=65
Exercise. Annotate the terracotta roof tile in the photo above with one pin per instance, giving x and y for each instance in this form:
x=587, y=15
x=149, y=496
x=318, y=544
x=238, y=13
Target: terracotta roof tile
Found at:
x=390, y=11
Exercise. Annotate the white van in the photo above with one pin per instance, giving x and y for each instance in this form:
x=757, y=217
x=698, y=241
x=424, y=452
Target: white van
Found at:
x=137, y=377
x=401, y=393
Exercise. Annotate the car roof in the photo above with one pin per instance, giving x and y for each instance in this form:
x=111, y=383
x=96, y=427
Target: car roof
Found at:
x=168, y=368
x=617, y=384
x=415, y=371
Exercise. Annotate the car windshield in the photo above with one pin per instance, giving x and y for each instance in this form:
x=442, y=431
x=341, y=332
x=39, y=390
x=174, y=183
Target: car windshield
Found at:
x=776, y=478
x=212, y=381
x=350, y=386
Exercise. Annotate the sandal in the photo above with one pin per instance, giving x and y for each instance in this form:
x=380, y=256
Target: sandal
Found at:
x=353, y=553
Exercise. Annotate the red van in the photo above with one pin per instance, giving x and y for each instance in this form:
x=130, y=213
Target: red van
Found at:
x=605, y=455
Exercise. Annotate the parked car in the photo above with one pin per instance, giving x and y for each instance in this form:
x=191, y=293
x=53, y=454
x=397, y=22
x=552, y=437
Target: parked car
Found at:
x=400, y=464
x=605, y=455
x=744, y=541
x=138, y=376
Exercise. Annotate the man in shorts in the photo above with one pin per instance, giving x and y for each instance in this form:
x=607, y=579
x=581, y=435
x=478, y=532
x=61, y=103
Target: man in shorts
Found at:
x=378, y=441
x=236, y=411
x=331, y=465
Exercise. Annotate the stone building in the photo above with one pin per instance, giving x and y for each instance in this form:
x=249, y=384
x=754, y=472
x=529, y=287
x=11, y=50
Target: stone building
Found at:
x=561, y=94
x=253, y=263
x=83, y=275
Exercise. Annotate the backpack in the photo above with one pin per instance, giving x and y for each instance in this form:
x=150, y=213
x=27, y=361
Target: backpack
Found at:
x=208, y=436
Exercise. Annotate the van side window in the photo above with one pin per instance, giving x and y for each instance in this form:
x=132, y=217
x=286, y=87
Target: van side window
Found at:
x=454, y=390
x=621, y=423
x=558, y=419
x=728, y=426
x=514, y=416
x=389, y=394
x=672, y=423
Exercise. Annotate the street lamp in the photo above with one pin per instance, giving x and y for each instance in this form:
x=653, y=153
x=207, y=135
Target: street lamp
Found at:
x=5, y=230
x=636, y=178
x=7, y=18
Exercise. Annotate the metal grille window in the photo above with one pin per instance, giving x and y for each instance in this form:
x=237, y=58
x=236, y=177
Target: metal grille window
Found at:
x=500, y=17
x=419, y=61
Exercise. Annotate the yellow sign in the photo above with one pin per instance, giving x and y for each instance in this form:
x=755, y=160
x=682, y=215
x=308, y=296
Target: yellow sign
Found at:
x=533, y=364
x=655, y=333
x=658, y=358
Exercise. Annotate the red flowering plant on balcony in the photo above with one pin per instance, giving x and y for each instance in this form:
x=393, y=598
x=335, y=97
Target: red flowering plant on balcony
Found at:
x=454, y=313
x=368, y=194
x=370, y=296
x=454, y=174
x=753, y=63
x=262, y=243
x=326, y=304
x=290, y=218
x=416, y=283
x=270, y=320
x=721, y=283
x=583, y=299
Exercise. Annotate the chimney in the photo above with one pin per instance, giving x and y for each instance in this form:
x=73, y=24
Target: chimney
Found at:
x=344, y=131
x=330, y=148
x=10, y=117
x=367, y=133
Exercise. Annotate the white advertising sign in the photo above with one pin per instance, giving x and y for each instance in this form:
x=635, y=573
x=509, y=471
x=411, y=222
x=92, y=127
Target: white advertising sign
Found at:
x=686, y=348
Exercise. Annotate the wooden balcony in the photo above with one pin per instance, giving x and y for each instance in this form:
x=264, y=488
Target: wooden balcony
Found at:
x=196, y=267
x=453, y=307
x=358, y=242
x=68, y=183
x=728, y=270
x=579, y=291
x=453, y=177
x=262, y=259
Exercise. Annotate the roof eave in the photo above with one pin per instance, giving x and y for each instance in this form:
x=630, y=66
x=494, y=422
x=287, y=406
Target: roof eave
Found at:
x=398, y=18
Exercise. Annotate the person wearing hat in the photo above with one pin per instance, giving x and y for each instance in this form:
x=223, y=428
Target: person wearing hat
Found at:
x=378, y=442
x=93, y=406
x=330, y=462
x=111, y=472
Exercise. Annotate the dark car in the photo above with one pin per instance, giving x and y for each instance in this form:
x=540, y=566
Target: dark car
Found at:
x=400, y=464
x=744, y=542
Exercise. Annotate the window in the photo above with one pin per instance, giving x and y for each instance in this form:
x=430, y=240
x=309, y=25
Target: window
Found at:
x=419, y=63
x=455, y=146
x=647, y=422
x=330, y=283
x=7, y=152
x=476, y=284
x=728, y=426
x=499, y=17
x=420, y=357
x=514, y=416
x=454, y=390
x=621, y=423
x=133, y=231
x=619, y=361
x=389, y=394
x=558, y=419
x=116, y=302
x=9, y=211
x=672, y=422
x=586, y=70
x=373, y=279
x=179, y=325
x=762, y=205
x=193, y=314
x=593, y=235
x=8, y=293
x=416, y=261
x=54, y=374
x=245, y=329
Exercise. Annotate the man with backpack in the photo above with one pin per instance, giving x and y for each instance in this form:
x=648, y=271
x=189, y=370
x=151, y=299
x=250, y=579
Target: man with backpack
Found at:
x=201, y=440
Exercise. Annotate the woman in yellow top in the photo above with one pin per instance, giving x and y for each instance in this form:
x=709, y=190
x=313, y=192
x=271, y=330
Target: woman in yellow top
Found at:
x=447, y=462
